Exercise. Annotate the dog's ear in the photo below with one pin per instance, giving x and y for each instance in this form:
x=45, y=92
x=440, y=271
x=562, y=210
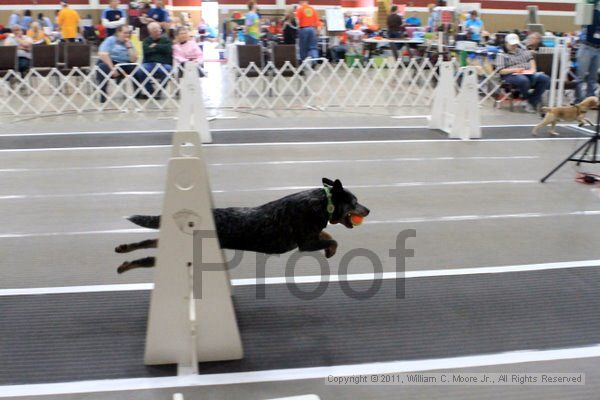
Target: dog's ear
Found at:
x=327, y=182
x=337, y=185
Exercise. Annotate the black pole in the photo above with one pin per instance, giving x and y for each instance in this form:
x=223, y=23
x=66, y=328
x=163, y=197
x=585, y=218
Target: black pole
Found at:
x=590, y=143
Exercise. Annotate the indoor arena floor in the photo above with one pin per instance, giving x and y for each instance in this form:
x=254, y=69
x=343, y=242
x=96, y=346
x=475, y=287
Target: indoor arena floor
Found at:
x=504, y=278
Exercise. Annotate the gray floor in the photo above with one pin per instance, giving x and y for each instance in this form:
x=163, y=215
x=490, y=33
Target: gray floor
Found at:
x=473, y=204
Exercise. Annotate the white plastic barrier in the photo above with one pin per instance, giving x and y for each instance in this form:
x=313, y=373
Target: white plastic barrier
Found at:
x=457, y=114
x=182, y=329
x=191, y=114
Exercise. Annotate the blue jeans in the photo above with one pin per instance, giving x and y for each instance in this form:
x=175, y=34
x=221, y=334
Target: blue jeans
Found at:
x=539, y=82
x=159, y=75
x=588, y=62
x=307, y=41
x=250, y=39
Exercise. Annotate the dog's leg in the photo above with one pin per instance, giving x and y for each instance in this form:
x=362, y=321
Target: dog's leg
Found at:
x=145, y=244
x=146, y=262
x=547, y=120
x=587, y=121
x=553, y=130
x=324, y=241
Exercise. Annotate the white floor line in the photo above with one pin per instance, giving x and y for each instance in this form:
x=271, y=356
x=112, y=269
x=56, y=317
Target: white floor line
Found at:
x=282, y=162
x=272, y=189
x=314, y=278
x=282, y=375
x=339, y=143
x=74, y=233
x=447, y=218
x=266, y=129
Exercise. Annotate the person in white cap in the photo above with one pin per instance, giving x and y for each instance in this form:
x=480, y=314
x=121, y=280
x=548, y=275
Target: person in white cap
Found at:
x=517, y=68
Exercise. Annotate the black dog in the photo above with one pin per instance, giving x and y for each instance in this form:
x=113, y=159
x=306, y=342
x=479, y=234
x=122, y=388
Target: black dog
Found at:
x=277, y=227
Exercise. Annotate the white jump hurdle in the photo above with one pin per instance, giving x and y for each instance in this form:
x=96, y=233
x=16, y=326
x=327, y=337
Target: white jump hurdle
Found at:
x=457, y=114
x=184, y=330
x=191, y=114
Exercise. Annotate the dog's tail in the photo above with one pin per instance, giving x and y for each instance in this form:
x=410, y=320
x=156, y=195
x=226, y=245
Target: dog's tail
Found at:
x=146, y=221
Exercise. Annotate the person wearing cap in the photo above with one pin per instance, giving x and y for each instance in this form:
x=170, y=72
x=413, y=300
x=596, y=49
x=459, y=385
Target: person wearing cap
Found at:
x=588, y=57
x=308, y=20
x=474, y=26
x=113, y=17
x=517, y=67
x=68, y=21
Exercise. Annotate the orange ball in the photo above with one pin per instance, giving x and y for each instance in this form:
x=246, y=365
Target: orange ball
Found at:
x=356, y=219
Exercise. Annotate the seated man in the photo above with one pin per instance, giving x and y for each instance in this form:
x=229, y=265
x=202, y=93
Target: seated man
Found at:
x=517, y=67
x=338, y=46
x=23, y=43
x=117, y=51
x=158, y=56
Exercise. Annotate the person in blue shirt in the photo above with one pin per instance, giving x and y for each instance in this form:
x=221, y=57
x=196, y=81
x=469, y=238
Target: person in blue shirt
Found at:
x=118, y=51
x=113, y=17
x=413, y=20
x=159, y=14
x=474, y=26
x=26, y=20
x=14, y=19
x=588, y=57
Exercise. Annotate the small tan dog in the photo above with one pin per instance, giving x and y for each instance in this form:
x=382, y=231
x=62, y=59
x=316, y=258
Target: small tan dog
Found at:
x=568, y=113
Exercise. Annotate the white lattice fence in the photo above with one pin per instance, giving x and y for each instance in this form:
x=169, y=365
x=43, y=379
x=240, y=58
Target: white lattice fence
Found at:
x=322, y=85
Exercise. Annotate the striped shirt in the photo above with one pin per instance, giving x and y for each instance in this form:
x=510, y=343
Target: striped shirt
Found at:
x=519, y=58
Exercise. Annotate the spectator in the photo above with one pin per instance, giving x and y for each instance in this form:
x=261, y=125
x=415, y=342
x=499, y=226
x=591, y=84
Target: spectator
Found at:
x=23, y=43
x=113, y=17
x=290, y=27
x=68, y=21
x=101, y=32
x=144, y=20
x=394, y=23
x=36, y=34
x=413, y=20
x=14, y=19
x=339, y=46
x=349, y=24
x=117, y=51
x=158, y=56
x=174, y=25
x=44, y=21
x=159, y=14
x=308, y=21
x=517, y=68
x=474, y=26
x=588, y=58
x=185, y=49
x=433, y=21
x=27, y=20
x=534, y=41
x=252, y=25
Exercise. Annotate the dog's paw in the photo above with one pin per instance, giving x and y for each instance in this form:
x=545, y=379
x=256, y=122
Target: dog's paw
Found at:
x=123, y=267
x=330, y=251
x=123, y=248
x=554, y=133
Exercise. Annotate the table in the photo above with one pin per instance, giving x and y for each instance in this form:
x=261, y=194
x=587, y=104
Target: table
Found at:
x=370, y=43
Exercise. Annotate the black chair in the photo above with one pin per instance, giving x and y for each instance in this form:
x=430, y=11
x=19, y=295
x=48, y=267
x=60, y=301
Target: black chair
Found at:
x=77, y=55
x=8, y=60
x=43, y=58
x=543, y=62
x=248, y=54
x=282, y=54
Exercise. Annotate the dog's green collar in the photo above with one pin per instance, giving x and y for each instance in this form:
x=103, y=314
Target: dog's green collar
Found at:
x=330, y=206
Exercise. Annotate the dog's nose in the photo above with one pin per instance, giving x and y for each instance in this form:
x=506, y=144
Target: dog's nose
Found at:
x=366, y=211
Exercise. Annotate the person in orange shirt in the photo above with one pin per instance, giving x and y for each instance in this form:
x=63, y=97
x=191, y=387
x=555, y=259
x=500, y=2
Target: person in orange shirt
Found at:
x=308, y=22
x=68, y=21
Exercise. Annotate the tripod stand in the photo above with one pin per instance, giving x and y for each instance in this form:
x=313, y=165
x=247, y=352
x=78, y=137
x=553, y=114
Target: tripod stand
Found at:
x=581, y=154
